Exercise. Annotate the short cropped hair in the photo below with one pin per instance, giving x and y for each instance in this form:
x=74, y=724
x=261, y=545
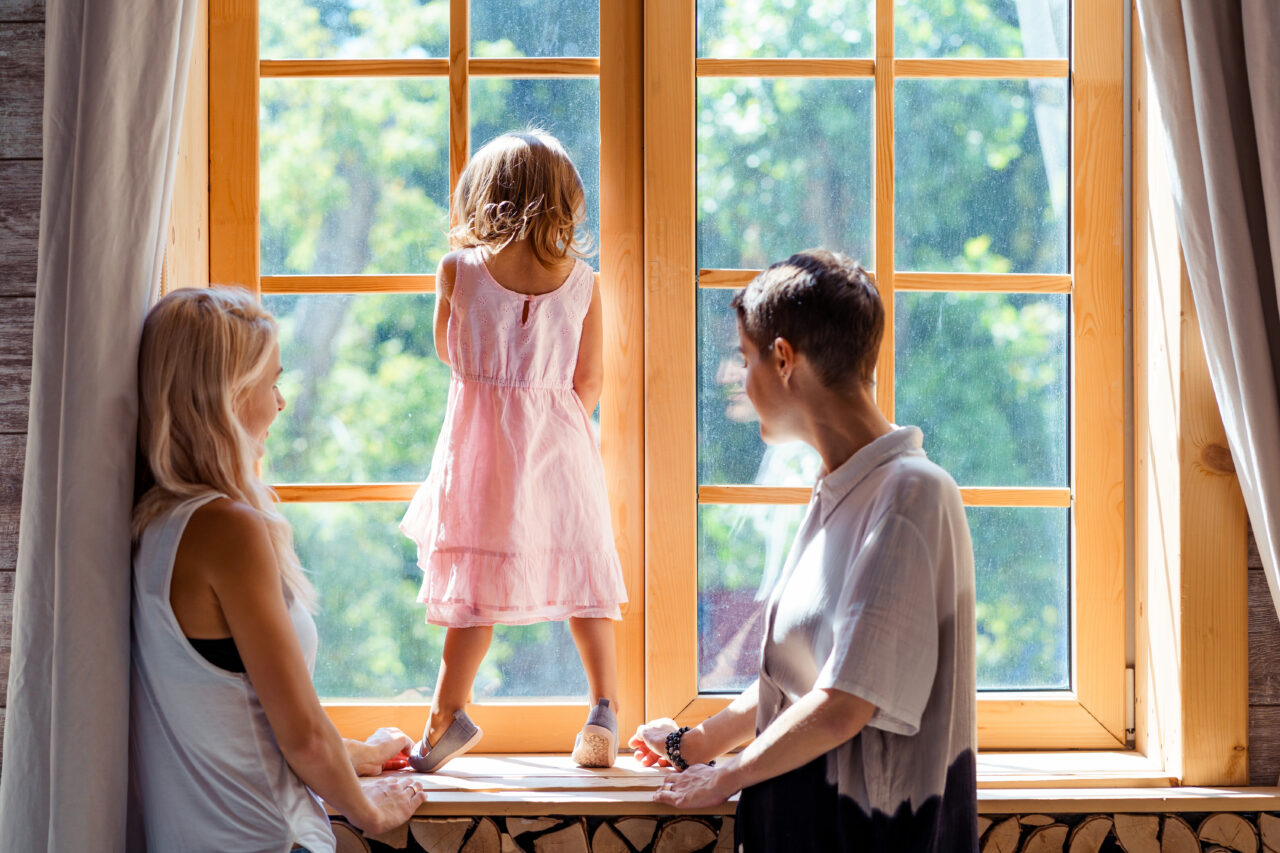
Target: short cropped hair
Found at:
x=826, y=306
x=517, y=186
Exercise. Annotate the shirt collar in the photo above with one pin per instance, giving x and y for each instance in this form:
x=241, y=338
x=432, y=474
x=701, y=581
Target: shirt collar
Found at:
x=832, y=488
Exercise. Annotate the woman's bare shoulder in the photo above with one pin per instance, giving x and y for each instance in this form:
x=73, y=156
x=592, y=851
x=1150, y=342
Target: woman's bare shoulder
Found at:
x=226, y=528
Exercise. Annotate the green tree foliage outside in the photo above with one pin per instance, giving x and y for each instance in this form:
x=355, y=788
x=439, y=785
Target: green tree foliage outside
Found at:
x=354, y=180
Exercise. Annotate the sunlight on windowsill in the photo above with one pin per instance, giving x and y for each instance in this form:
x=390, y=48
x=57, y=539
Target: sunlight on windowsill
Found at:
x=1008, y=783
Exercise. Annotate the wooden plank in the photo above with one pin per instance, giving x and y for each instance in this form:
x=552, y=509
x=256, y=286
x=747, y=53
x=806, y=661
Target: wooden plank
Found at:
x=19, y=226
x=884, y=201
x=1127, y=801
x=311, y=68
x=233, y=143
x=13, y=452
x=21, y=11
x=310, y=284
x=459, y=91
x=978, y=283
x=1264, y=642
x=1215, y=643
x=523, y=67
x=344, y=492
x=1011, y=69
x=508, y=727
x=826, y=68
x=1098, y=338
x=17, y=317
x=726, y=279
x=621, y=280
x=1264, y=744
x=21, y=90
x=1012, y=721
x=186, y=257
x=535, y=67
x=972, y=496
x=671, y=532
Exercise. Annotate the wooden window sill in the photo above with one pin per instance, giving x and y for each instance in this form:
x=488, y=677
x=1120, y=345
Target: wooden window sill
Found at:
x=1009, y=783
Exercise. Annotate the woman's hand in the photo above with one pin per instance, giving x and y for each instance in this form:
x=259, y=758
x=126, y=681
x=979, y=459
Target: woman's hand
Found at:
x=701, y=785
x=393, y=800
x=380, y=751
x=650, y=742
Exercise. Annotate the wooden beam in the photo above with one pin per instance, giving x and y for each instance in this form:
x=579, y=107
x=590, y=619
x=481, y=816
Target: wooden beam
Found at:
x=233, y=143
x=1001, y=69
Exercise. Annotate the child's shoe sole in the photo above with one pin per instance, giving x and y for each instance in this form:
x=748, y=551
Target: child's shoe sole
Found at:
x=595, y=746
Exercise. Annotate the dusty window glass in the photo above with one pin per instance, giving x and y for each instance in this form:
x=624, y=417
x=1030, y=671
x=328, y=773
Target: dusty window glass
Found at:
x=783, y=165
x=985, y=376
x=510, y=28
x=981, y=179
x=1034, y=29
x=353, y=29
x=762, y=29
x=354, y=175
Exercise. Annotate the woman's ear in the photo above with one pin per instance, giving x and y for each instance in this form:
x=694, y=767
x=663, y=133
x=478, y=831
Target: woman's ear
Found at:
x=784, y=355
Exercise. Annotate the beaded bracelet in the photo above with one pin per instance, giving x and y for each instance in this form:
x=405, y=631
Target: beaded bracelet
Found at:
x=673, y=749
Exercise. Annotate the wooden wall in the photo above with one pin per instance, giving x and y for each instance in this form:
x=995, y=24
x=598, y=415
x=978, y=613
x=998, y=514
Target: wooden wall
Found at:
x=21, y=89
x=21, y=85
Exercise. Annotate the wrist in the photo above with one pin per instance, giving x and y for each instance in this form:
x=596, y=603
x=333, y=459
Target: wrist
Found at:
x=694, y=746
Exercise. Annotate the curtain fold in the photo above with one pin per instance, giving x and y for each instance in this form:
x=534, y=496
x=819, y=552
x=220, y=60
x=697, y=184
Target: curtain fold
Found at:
x=115, y=79
x=1215, y=70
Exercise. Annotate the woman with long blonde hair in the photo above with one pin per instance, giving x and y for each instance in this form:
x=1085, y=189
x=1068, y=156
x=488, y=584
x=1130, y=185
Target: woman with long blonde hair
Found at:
x=228, y=738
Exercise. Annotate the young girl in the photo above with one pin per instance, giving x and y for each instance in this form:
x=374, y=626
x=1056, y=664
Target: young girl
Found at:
x=512, y=523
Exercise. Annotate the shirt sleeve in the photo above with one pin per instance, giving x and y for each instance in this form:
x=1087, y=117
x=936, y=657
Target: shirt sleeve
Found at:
x=885, y=630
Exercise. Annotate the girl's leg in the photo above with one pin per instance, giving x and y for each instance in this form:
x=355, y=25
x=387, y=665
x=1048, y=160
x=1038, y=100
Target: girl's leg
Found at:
x=464, y=649
x=594, y=639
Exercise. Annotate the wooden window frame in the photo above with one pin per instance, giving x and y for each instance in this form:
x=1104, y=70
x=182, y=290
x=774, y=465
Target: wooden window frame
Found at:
x=1092, y=715
x=234, y=259
x=1189, y=520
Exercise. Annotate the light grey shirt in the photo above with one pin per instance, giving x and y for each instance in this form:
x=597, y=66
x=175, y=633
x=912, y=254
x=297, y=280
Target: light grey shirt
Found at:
x=877, y=600
x=207, y=770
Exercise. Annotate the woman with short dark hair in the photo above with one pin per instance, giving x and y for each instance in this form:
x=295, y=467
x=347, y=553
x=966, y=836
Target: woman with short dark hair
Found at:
x=864, y=709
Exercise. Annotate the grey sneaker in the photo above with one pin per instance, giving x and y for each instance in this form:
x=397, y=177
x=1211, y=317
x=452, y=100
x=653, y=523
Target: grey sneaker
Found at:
x=597, y=743
x=461, y=735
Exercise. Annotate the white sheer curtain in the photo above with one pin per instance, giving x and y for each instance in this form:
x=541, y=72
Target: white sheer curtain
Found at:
x=1215, y=67
x=115, y=77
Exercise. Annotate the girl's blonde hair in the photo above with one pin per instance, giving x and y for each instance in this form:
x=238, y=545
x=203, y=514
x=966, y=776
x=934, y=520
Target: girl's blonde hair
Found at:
x=202, y=349
x=521, y=185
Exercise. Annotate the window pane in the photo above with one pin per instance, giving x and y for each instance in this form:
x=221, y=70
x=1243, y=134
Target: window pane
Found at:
x=569, y=109
x=370, y=29
x=373, y=640
x=1036, y=29
x=741, y=550
x=1024, y=617
x=985, y=377
x=355, y=175
x=535, y=27
x=729, y=446
x=365, y=393
x=785, y=28
x=783, y=165
x=981, y=175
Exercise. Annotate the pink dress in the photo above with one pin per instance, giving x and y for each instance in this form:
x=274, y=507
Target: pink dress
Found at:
x=512, y=523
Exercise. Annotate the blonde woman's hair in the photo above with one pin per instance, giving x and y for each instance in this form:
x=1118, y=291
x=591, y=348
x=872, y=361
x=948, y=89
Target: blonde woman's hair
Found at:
x=202, y=350
x=521, y=185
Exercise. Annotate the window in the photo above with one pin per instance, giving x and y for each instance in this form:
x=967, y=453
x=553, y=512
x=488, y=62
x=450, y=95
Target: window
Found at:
x=716, y=137
x=972, y=158
x=346, y=135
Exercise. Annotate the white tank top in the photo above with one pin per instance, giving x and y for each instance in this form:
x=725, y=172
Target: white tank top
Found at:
x=208, y=772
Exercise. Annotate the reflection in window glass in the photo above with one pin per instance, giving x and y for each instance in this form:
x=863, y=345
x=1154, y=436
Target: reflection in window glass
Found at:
x=783, y=165
x=509, y=28
x=1035, y=29
x=353, y=29
x=981, y=175
x=784, y=28
x=730, y=450
x=985, y=377
x=568, y=109
x=364, y=390
x=741, y=550
x=354, y=175
x=373, y=640
x=1024, y=617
